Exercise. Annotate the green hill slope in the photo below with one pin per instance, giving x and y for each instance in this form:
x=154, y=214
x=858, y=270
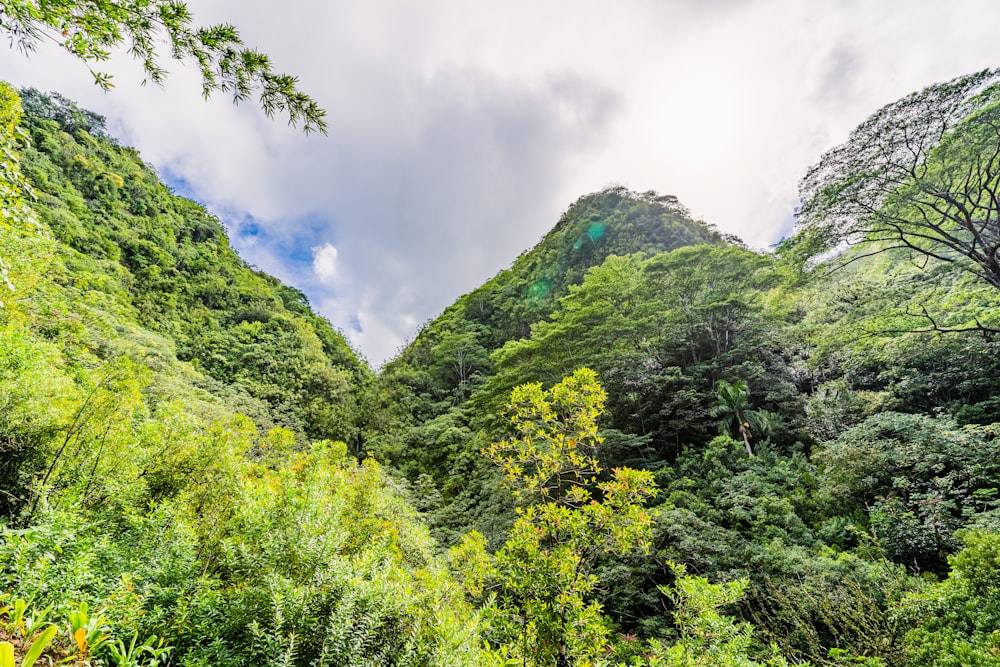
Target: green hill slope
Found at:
x=612, y=222
x=450, y=356
x=428, y=402
x=164, y=264
x=137, y=503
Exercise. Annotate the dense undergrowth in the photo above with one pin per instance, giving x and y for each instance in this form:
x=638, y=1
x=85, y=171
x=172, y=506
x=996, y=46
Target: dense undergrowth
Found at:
x=644, y=444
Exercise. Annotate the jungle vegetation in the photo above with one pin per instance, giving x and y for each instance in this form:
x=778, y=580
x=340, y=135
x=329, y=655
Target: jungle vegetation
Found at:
x=643, y=444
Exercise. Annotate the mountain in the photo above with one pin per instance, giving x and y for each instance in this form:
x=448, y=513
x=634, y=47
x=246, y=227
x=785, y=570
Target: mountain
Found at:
x=643, y=443
x=450, y=355
x=174, y=466
x=163, y=265
x=430, y=401
x=614, y=221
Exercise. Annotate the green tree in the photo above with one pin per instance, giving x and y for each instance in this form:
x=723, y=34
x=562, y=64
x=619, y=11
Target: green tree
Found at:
x=956, y=623
x=544, y=612
x=24, y=246
x=90, y=29
x=707, y=638
x=553, y=455
x=918, y=479
x=733, y=405
x=922, y=174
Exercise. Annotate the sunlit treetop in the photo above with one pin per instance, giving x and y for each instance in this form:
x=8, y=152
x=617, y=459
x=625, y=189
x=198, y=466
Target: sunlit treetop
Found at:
x=921, y=174
x=148, y=29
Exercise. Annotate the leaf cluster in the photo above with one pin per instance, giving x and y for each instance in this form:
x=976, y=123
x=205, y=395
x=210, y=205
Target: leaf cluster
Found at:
x=150, y=29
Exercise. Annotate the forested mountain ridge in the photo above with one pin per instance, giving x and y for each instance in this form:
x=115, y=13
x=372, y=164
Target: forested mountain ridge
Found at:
x=645, y=443
x=612, y=222
x=169, y=262
x=196, y=511
x=422, y=420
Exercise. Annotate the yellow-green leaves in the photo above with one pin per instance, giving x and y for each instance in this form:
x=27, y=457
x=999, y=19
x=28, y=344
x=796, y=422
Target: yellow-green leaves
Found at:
x=23, y=253
x=470, y=562
x=39, y=644
x=89, y=631
x=544, y=611
x=707, y=638
x=554, y=453
x=29, y=626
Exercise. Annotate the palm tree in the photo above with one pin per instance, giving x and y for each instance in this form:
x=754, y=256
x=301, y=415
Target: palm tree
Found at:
x=732, y=404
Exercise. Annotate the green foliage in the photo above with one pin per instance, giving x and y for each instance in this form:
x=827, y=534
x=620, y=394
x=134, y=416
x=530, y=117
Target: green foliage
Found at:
x=614, y=221
x=836, y=605
x=39, y=644
x=87, y=630
x=130, y=480
x=135, y=253
x=707, y=638
x=24, y=247
x=152, y=653
x=956, y=621
x=449, y=360
x=91, y=30
x=917, y=479
x=12, y=183
x=28, y=636
x=733, y=405
x=36, y=398
x=903, y=337
x=63, y=111
x=319, y=555
x=663, y=331
x=543, y=611
x=554, y=454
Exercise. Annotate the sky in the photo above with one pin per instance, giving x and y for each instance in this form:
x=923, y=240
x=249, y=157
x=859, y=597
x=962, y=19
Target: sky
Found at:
x=460, y=130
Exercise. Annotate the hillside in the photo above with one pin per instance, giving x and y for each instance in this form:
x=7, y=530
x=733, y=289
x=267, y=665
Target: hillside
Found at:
x=166, y=265
x=865, y=382
x=644, y=444
x=173, y=464
x=422, y=419
x=611, y=222
x=118, y=270
x=450, y=356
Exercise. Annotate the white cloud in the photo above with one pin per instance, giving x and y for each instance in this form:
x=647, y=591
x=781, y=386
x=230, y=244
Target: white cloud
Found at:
x=325, y=262
x=458, y=134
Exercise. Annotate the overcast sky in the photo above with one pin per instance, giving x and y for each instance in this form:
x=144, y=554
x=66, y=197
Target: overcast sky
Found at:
x=460, y=130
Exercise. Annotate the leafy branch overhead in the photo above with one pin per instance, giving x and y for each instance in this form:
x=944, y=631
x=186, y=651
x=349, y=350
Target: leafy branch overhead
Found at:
x=91, y=29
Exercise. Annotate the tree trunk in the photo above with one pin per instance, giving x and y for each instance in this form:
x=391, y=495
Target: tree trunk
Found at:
x=745, y=432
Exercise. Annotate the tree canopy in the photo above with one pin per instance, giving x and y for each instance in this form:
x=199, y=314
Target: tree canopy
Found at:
x=922, y=174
